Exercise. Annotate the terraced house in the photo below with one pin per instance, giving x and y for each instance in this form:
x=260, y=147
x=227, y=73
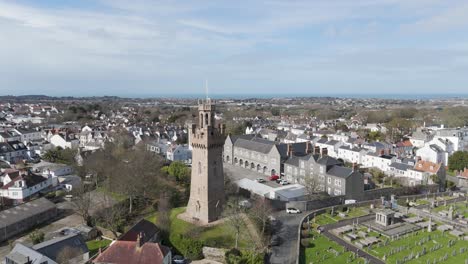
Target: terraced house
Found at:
x=328, y=173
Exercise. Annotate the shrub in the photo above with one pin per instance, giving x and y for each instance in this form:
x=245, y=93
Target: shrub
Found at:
x=305, y=233
x=50, y=195
x=36, y=236
x=189, y=247
x=234, y=256
x=59, y=193
x=306, y=242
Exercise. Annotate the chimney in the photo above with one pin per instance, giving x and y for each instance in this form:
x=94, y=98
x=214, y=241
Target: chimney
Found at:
x=324, y=152
x=355, y=166
x=316, y=150
x=290, y=150
x=382, y=152
x=307, y=150
x=140, y=240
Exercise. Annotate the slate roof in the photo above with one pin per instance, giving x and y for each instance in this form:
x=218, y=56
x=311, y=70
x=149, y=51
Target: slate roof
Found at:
x=328, y=161
x=52, y=248
x=21, y=253
x=339, y=171
x=25, y=211
x=255, y=144
x=401, y=166
x=436, y=148
x=143, y=226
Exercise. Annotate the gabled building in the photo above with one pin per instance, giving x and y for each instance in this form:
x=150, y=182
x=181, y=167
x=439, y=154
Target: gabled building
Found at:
x=19, y=187
x=433, y=153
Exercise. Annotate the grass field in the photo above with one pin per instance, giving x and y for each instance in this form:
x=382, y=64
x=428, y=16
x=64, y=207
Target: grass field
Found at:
x=94, y=245
x=442, y=239
x=319, y=252
x=326, y=218
x=221, y=235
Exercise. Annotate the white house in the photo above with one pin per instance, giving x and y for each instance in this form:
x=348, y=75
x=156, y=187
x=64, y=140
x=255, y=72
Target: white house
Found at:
x=381, y=162
x=433, y=153
x=18, y=187
x=354, y=155
x=65, y=141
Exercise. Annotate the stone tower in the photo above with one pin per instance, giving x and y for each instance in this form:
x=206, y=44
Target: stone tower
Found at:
x=207, y=184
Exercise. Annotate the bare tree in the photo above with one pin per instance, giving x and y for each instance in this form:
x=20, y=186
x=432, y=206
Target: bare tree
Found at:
x=261, y=213
x=82, y=202
x=163, y=221
x=113, y=217
x=311, y=185
x=68, y=253
x=235, y=217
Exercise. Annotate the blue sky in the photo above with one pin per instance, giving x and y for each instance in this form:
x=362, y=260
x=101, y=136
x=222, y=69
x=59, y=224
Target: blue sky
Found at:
x=147, y=47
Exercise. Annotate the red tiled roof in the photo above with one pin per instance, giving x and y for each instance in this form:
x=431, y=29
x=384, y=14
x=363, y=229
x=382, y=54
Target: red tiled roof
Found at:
x=427, y=166
x=123, y=252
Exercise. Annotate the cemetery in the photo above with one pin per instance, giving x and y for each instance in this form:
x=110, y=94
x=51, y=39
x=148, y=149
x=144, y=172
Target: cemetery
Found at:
x=395, y=237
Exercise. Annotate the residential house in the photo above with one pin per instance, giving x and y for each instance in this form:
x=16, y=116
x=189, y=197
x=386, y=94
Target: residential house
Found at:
x=71, y=248
x=429, y=169
x=420, y=137
x=65, y=140
x=13, y=151
x=353, y=155
x=381, y=162
x=433, y=153
x=179, y=153
x=329, y=174
x=19, y=187
x=135, y=252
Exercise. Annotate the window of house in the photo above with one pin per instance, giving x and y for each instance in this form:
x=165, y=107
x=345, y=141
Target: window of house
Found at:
x=329, y=180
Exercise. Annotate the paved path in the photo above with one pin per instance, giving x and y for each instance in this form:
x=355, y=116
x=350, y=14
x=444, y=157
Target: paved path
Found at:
x=286, y=252
x=344, y=244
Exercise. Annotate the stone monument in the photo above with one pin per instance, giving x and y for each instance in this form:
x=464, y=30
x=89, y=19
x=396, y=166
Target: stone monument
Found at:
x=207, y=184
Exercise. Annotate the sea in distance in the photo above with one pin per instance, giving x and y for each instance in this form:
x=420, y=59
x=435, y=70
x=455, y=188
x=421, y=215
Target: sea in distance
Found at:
x=269, y=96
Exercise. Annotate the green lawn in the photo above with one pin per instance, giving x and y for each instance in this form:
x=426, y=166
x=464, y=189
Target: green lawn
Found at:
x=442, y=239
x=94, y=245
x=319, y=252
x=460, y=206
x=326, y=218
x=221, y=235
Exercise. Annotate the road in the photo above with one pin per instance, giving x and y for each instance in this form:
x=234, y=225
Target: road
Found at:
x=286, y=252
x=288, y=226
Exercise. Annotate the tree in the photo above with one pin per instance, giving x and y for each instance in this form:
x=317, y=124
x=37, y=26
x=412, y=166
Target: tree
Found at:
x=458, y=160
x=36, y=236
x=235, y=217
x=82, y=202
x=113, y=217
x=163, y=221
x=275, y=111
x=261, y=213
x=178, y=170
x=311, y=185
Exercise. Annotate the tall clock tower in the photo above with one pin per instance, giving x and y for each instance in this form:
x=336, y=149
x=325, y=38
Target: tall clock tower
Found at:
x=207, y=183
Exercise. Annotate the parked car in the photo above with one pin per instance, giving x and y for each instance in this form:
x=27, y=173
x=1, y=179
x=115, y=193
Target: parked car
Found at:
x=292, y=210
x=284, y=182
x=260, y=180
x=178, y=259
x=274, y=177
x=278, y=181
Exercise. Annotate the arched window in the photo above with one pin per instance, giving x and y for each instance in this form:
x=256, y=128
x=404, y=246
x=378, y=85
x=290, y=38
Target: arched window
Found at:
x=206, y=119
x=201, y=120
